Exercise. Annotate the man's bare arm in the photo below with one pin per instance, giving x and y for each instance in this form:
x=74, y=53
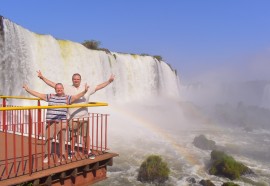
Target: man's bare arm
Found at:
x=47, y=81
x=106, y=83
x=34, y=93
x=77, y=96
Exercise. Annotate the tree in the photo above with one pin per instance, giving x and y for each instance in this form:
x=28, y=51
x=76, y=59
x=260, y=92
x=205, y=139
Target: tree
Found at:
x=91, y=44
x=159, y=58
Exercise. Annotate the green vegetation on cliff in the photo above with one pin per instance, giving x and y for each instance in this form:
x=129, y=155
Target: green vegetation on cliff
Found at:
x=159, y=58
x=225, y=165
x=91, y=44
x=94, y=45
x=154, y=170
x=229, y=184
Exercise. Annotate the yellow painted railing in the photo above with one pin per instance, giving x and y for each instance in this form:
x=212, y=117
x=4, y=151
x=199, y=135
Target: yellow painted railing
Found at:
x=18, y=97
x=30, y=121
x=90, y=104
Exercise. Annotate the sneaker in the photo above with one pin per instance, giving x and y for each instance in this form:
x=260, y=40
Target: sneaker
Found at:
x=91, y=156
x=45, y=160
x=71, y=154
x=61, y=158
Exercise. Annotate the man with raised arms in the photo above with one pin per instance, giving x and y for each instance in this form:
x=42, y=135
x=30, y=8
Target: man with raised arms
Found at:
x=56, y=118
x=78, y=117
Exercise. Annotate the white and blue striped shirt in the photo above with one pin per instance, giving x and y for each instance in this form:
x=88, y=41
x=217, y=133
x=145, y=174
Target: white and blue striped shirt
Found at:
x=57, y=114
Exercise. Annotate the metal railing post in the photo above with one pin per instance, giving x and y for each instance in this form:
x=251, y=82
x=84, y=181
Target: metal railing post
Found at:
x=97, y=133
x=39, y=120
x=106, y=120
x=101, y=132
x=4, y=116
x=5, y=131
x=15, y=133
x=22, y=137
x=92, y=137
x=6, y=151
x=30, y=141
x=14, y=141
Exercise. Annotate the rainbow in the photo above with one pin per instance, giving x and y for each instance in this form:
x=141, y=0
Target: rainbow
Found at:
x=178, y=148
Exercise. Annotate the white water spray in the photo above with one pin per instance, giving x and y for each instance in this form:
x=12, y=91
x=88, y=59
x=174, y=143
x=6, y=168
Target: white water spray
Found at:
x=24, y=52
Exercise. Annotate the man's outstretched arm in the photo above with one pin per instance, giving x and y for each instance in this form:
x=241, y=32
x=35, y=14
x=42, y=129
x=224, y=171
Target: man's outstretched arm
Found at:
x=106, y=83
x=34, y=93
x=81, y=94
x=48, y=82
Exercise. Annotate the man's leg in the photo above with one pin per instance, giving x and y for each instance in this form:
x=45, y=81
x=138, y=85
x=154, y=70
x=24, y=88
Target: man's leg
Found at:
x=49, y=133
x=62, y=137
x=86, y=135
x=73, y=137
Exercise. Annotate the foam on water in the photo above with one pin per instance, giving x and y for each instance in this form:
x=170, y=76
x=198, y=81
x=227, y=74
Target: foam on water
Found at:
x=138, y=126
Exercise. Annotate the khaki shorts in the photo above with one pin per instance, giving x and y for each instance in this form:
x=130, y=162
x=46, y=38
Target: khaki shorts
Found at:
x=54, y=127
x=78, y=126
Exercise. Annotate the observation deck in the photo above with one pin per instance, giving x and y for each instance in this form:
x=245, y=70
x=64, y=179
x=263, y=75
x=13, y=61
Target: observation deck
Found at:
x=22, y=140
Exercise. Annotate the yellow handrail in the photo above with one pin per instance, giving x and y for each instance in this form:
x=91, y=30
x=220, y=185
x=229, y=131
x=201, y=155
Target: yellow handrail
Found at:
x=19, y=97
x=90, y=104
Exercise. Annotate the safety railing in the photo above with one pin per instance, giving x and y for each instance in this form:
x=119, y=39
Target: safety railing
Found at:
x=26, y=138
x=6, y=118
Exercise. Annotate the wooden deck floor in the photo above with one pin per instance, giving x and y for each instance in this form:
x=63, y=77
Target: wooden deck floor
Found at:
x=16, y=169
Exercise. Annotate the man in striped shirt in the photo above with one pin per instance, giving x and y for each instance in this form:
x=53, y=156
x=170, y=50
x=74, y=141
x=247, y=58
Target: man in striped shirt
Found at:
x=56, y=117
x=78, y=117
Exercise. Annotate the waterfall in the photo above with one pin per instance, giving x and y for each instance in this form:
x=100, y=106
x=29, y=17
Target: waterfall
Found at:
x=266, y=97
x=24, y=52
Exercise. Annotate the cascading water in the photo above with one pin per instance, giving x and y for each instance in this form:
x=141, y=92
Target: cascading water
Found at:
x=15, y=58
x=24, y=52
x=165, y=127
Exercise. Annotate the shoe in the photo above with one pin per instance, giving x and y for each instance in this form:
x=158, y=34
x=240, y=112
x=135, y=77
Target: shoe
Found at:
x=45, y=160
x=91, y=156
x=71, y=154
x=62, y=158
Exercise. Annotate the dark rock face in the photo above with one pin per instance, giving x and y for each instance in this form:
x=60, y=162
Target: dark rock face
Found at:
x=191, y=180
x=203, y=143
x=1, y=23
x=206, y=183
x=2, y=39
x=1, y=28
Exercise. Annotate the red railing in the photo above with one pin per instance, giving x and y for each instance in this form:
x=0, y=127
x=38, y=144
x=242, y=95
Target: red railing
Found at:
x=22, y=135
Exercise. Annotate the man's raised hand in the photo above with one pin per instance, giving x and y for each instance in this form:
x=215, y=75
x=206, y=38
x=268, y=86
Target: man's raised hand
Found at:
x=40, y=74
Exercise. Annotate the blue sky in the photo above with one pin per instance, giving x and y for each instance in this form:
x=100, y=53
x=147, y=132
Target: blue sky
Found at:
x=214, y=39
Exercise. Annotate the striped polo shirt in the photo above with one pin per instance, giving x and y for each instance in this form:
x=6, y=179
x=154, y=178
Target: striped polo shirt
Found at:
x=57, y=114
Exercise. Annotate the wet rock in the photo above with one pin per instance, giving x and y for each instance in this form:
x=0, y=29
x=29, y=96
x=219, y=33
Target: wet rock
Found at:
x=206, y=183
x=191, y=180
x=229, y=184
x=227, y=166
x=1, y=23
x=203, y=143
